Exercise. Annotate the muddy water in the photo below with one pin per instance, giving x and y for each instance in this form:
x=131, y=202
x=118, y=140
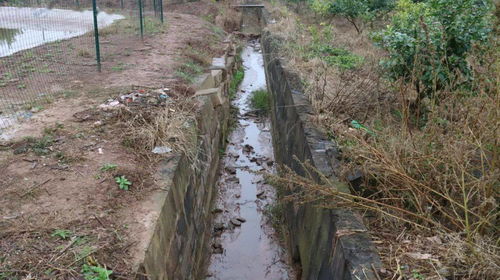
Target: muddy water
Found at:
x=244, y=243
x=25, y=28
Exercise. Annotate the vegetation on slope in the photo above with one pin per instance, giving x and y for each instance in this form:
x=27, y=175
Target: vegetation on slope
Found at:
x=418, y=117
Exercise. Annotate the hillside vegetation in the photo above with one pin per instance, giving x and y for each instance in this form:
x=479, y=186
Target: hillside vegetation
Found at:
x=409, y=90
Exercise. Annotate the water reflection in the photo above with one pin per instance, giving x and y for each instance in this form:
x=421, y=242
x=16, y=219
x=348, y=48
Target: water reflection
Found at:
x=7, y=35
x=25, y=28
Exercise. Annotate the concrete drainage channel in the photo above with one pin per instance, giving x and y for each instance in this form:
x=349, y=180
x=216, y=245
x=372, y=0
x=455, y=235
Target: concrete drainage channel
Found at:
x=244, y=244
x=199, y=235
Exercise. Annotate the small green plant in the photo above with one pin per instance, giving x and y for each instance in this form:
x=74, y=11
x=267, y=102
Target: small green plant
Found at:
x=123, y=183
x=92, y=272
x=416, y=275
x=153, y=26
x=40, y=146
x=61, y=233
x=235, y=82
x=118, y=68
x=275, y=213
x=260, y=100
x=108, y=167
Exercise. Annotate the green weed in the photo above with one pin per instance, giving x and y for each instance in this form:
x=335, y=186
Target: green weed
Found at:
x=108, y=166
x=235, y=82
x=260, y=101
x=91, y=272
x=123, y=183
x=153, y=26
x=52, y=130
x=118, y=68
x=275, y=214
x=61, y=233
x=40, y=146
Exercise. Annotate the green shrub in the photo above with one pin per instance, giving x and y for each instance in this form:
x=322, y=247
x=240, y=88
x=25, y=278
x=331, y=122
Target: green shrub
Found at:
x=429, y=42
x=352, y=10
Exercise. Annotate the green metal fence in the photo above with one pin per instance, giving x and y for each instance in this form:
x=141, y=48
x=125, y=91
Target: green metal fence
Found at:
x=43, y=43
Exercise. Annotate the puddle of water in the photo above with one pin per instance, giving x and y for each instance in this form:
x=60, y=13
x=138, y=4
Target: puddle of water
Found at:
x=249, y=250
x=26, y=28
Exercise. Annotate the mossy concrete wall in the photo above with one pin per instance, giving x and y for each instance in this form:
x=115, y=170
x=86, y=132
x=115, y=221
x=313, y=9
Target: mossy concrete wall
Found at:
x=328, y=244
x=177, y=247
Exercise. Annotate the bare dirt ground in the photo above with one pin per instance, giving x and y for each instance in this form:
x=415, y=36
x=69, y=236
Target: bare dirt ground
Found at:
x=60, y=206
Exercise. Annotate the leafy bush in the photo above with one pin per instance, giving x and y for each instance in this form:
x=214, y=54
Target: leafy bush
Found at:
x=352, y=9
x=428, y=42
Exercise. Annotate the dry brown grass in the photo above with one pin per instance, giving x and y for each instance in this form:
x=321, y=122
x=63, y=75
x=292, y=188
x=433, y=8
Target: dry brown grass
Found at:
x=430, y=193
x=173, y=126
x=346, y=94
x=229, y=18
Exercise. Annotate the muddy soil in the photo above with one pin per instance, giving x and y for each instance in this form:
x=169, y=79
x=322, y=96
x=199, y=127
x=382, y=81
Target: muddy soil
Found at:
x=60, y=204
x=245, y=245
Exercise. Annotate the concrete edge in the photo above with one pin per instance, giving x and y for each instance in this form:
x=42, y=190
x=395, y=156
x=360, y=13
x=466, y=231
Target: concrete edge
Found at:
x=177, y=247
x=352, y=254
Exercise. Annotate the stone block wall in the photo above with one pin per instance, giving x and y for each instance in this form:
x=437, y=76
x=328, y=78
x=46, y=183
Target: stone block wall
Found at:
x=178, y=245
x=328, y=244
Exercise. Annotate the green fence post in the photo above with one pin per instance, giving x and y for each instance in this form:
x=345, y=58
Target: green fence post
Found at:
x=161, y=10
x=121, y=4
x=96, y=36
x=141, y=23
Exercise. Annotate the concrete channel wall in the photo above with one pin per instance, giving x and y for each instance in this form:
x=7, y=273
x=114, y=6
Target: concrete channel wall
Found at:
x=327, y=244
x=178, y=244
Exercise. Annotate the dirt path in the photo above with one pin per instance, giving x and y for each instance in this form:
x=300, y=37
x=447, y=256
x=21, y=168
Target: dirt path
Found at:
x=60, y=204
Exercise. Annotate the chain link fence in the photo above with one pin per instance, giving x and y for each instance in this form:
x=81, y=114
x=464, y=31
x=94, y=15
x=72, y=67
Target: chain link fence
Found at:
x=45, y=43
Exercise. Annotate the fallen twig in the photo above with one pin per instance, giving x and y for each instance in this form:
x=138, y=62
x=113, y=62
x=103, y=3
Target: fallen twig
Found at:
x=35, y=187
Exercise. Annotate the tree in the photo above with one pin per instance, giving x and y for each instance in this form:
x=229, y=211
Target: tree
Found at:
x=428, y=42
x=352, y=10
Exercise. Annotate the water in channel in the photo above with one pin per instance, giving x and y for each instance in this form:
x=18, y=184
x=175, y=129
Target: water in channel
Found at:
x=244, y=244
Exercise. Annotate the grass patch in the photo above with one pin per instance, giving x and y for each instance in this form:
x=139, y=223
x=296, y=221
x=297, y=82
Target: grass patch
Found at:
x=339, y=57
x=188, y=71
x=275, y=213
x=119, y=67
x=429, y=168
x=40, y=146
x=260, y=101
x=235, y=82
x=154, y=26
